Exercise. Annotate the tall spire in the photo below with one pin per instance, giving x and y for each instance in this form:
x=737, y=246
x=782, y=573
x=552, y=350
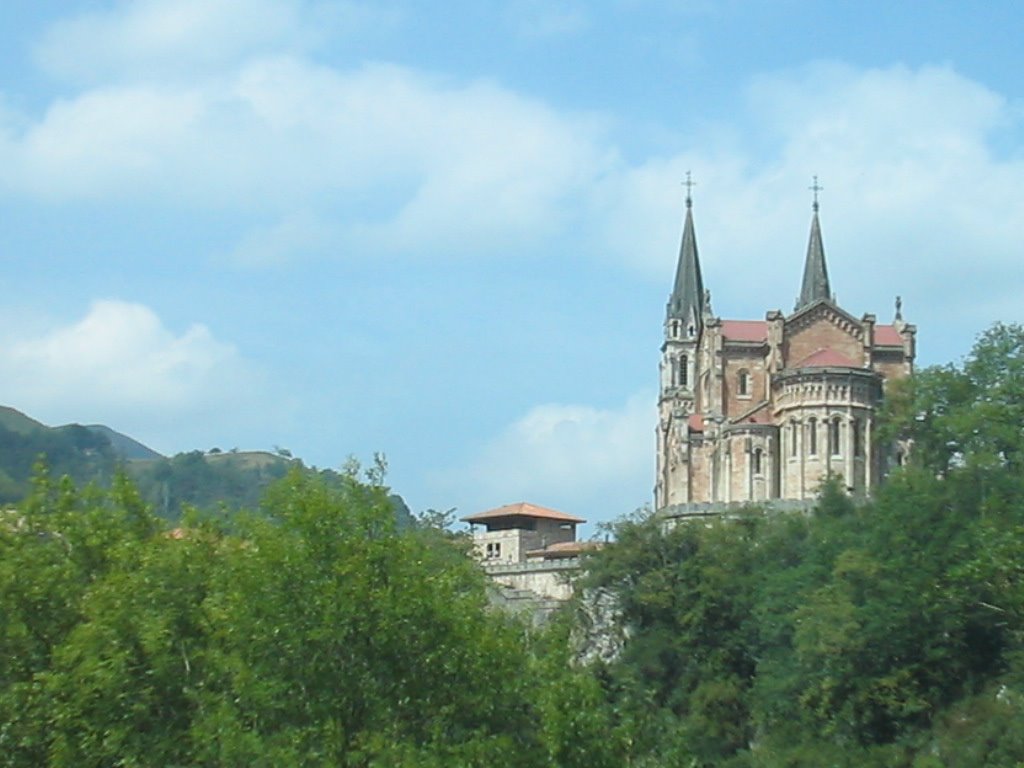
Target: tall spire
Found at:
x=815, y=285
x=687, y=300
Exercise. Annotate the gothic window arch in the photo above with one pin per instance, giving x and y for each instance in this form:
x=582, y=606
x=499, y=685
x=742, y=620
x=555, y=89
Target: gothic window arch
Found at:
x=757, y=461
x=812, y=436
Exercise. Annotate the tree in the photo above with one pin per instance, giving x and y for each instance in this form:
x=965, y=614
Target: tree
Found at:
x=967, y=421
x=316, y=631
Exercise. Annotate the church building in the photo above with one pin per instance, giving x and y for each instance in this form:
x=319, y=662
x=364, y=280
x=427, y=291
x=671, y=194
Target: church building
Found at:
x=756, y=410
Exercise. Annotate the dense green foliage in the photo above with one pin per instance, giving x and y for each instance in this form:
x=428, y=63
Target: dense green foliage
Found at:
x=886, y=633
x=315, y=633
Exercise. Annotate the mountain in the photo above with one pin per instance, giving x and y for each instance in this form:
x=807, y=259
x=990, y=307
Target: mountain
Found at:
x=16, y=421
x=125, y=447
x=70, y=450
x=217, y=480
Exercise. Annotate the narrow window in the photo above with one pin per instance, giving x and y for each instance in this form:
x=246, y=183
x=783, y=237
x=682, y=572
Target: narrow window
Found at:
x=683, y=372
x=812, y=437
x=744, y=383
x=833, y=437
x=858, y=438
x=793, y=430
x=757, y=461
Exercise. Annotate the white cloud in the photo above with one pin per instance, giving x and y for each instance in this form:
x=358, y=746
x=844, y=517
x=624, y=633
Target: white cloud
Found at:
x=588, y=461
x=446, y=165
x=175, y=39
x=119, y=364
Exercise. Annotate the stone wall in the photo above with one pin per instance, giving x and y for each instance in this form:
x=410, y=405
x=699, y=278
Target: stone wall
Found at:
x=548, y=579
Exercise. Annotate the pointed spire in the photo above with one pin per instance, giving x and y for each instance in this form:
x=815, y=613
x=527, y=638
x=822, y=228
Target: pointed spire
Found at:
x=815, y=284
x=687, y=300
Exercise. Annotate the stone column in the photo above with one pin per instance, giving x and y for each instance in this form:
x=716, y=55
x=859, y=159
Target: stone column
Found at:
x=728, y=469
x=801, y=458
x=869, y=456
x=713, y=472
x=748, y=447
x=849, y=479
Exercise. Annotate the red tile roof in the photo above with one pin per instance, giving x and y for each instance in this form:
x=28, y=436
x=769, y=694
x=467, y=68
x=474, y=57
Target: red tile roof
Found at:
x=745, y=330
x=887, y=336
x=523, y=509
x=826, y=358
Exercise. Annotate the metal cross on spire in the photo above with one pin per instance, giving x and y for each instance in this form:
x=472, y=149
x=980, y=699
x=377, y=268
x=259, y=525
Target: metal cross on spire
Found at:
x=816, y=188
x=689, y=184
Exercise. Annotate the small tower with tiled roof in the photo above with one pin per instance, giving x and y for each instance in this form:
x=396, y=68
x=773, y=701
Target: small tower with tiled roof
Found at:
x=528, y=549
x=511, y=531
x=772, y=407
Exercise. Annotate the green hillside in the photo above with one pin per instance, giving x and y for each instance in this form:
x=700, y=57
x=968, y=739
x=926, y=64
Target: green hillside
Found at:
x=16, y=421
x=207, y=481
x=125, y=447
x=212, y=481
x=71, y=450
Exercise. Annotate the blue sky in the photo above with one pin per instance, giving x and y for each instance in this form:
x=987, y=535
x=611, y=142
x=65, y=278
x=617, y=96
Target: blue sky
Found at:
x=447, y=232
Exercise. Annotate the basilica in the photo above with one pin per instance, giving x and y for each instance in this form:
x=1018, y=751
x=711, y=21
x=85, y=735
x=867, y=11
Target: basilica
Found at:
x=758, y=410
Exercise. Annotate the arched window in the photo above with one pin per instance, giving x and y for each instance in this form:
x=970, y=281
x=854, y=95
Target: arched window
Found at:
x=833, y=437
x=684, y=373
x=757, y=461
x=743, y=383
x=794, y=430
x=812, y=436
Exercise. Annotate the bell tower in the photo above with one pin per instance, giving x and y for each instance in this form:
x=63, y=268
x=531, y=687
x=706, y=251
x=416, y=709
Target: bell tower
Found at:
x=677, y=398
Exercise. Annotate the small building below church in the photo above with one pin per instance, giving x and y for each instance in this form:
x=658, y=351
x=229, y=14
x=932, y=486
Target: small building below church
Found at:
x=528, y=548
x=754, y=410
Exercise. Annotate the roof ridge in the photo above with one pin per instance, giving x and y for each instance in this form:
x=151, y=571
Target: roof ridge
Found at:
x=523, y=509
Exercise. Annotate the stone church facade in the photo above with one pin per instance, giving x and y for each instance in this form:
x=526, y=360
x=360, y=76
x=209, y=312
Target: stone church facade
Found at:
x=757, y=410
